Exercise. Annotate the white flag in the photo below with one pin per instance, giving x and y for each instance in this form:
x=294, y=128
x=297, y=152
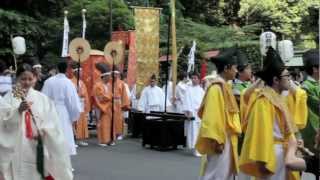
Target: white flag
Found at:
x=191, y=57
x=84, y=25
x=66, y=30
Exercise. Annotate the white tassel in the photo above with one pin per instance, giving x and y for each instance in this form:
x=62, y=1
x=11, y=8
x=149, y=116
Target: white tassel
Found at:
x=66, y=30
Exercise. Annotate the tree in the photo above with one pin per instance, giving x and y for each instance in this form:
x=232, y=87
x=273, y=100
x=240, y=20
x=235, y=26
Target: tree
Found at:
x=43, y=29
x=286, y=18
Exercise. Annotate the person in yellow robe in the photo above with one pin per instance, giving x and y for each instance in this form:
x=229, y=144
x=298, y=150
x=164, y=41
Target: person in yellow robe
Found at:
x=120, y=102
x=81, y=126
x=270, y=122
x=102, y=92
x=220, y=123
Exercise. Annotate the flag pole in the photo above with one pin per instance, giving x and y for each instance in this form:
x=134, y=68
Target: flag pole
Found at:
x=112, y=73
x=167, y=63
x=174, y=47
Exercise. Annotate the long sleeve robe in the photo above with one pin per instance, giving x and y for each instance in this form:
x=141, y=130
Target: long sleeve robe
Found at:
x=103, y=96
x=312, y=88
x=180, y=96
x=151, y=99
x=220, y=125
x=61, y=90
x=193, y=99
x=167, y=88
x=268, y=125
x=121, y=101
x=81, y=126
x=126, y=112
x=18, y=153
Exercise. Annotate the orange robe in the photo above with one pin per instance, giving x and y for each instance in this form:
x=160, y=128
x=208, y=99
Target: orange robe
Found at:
x=81, y=126
x=121, y=102
x=103, y=98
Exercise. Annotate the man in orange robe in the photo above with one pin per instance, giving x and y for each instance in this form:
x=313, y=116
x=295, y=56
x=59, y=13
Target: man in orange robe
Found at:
x=121, y=102
x=81, y=126
x=102, y=92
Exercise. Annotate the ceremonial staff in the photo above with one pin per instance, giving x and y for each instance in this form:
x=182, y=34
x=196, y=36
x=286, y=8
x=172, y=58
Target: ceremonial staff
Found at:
x=112, y=102
x=79, y=49
x=19, y=48
x=167, y=63
x=317, y=145
x=114, y=51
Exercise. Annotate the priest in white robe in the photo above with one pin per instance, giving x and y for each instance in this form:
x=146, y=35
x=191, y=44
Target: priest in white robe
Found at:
x=61, y=90
x=152, y=98
x=181, y=90
x=18, y=135
x=168, y=88
x=193, y=99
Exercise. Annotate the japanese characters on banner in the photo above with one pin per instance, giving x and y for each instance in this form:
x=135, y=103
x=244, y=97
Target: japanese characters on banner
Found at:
x=147, y=22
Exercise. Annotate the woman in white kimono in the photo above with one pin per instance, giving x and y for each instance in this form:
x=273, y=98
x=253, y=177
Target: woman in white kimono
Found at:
x=21, y=123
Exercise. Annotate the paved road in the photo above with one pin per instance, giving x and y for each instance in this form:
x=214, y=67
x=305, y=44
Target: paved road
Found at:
x=129, y=161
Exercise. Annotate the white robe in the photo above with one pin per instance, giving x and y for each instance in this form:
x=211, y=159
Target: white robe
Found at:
x=64, y=95
x=133, y=97
x=151, y=99
x=181, y=96
x=5, y=84
x=170, y=107
x=193, y=99
x=280, y=155
x=218, y=165
x=18, y=154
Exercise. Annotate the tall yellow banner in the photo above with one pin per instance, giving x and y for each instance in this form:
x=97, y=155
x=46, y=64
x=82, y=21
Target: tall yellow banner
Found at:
x=147, y=22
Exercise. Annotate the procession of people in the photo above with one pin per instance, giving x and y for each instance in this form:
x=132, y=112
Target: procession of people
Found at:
x=242, y=122
x=270, y=115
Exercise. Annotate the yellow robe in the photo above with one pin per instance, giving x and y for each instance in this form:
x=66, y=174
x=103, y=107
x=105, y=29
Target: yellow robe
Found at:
x=219, y=120
x=263, y=108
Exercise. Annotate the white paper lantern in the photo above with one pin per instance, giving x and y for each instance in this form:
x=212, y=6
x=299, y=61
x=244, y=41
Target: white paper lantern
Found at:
x=286, y=50
x=19, y=45
x=267, y=39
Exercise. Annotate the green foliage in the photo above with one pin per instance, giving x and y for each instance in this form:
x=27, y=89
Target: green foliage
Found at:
x=15, y=23
x=286, y=18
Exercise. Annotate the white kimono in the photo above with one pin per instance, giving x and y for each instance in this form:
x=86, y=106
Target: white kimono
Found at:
x=193, y=99
x=64, y=95
x=151, y=99
x=18, y=153
x=133, y=97
x=181, y=96
x=5, y=84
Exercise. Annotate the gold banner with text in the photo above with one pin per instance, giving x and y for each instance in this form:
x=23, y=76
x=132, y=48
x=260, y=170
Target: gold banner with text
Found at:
x=147, y=24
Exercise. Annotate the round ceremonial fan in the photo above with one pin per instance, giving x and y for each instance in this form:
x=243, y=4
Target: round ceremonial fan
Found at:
x=114, y=51
x=79, y=50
